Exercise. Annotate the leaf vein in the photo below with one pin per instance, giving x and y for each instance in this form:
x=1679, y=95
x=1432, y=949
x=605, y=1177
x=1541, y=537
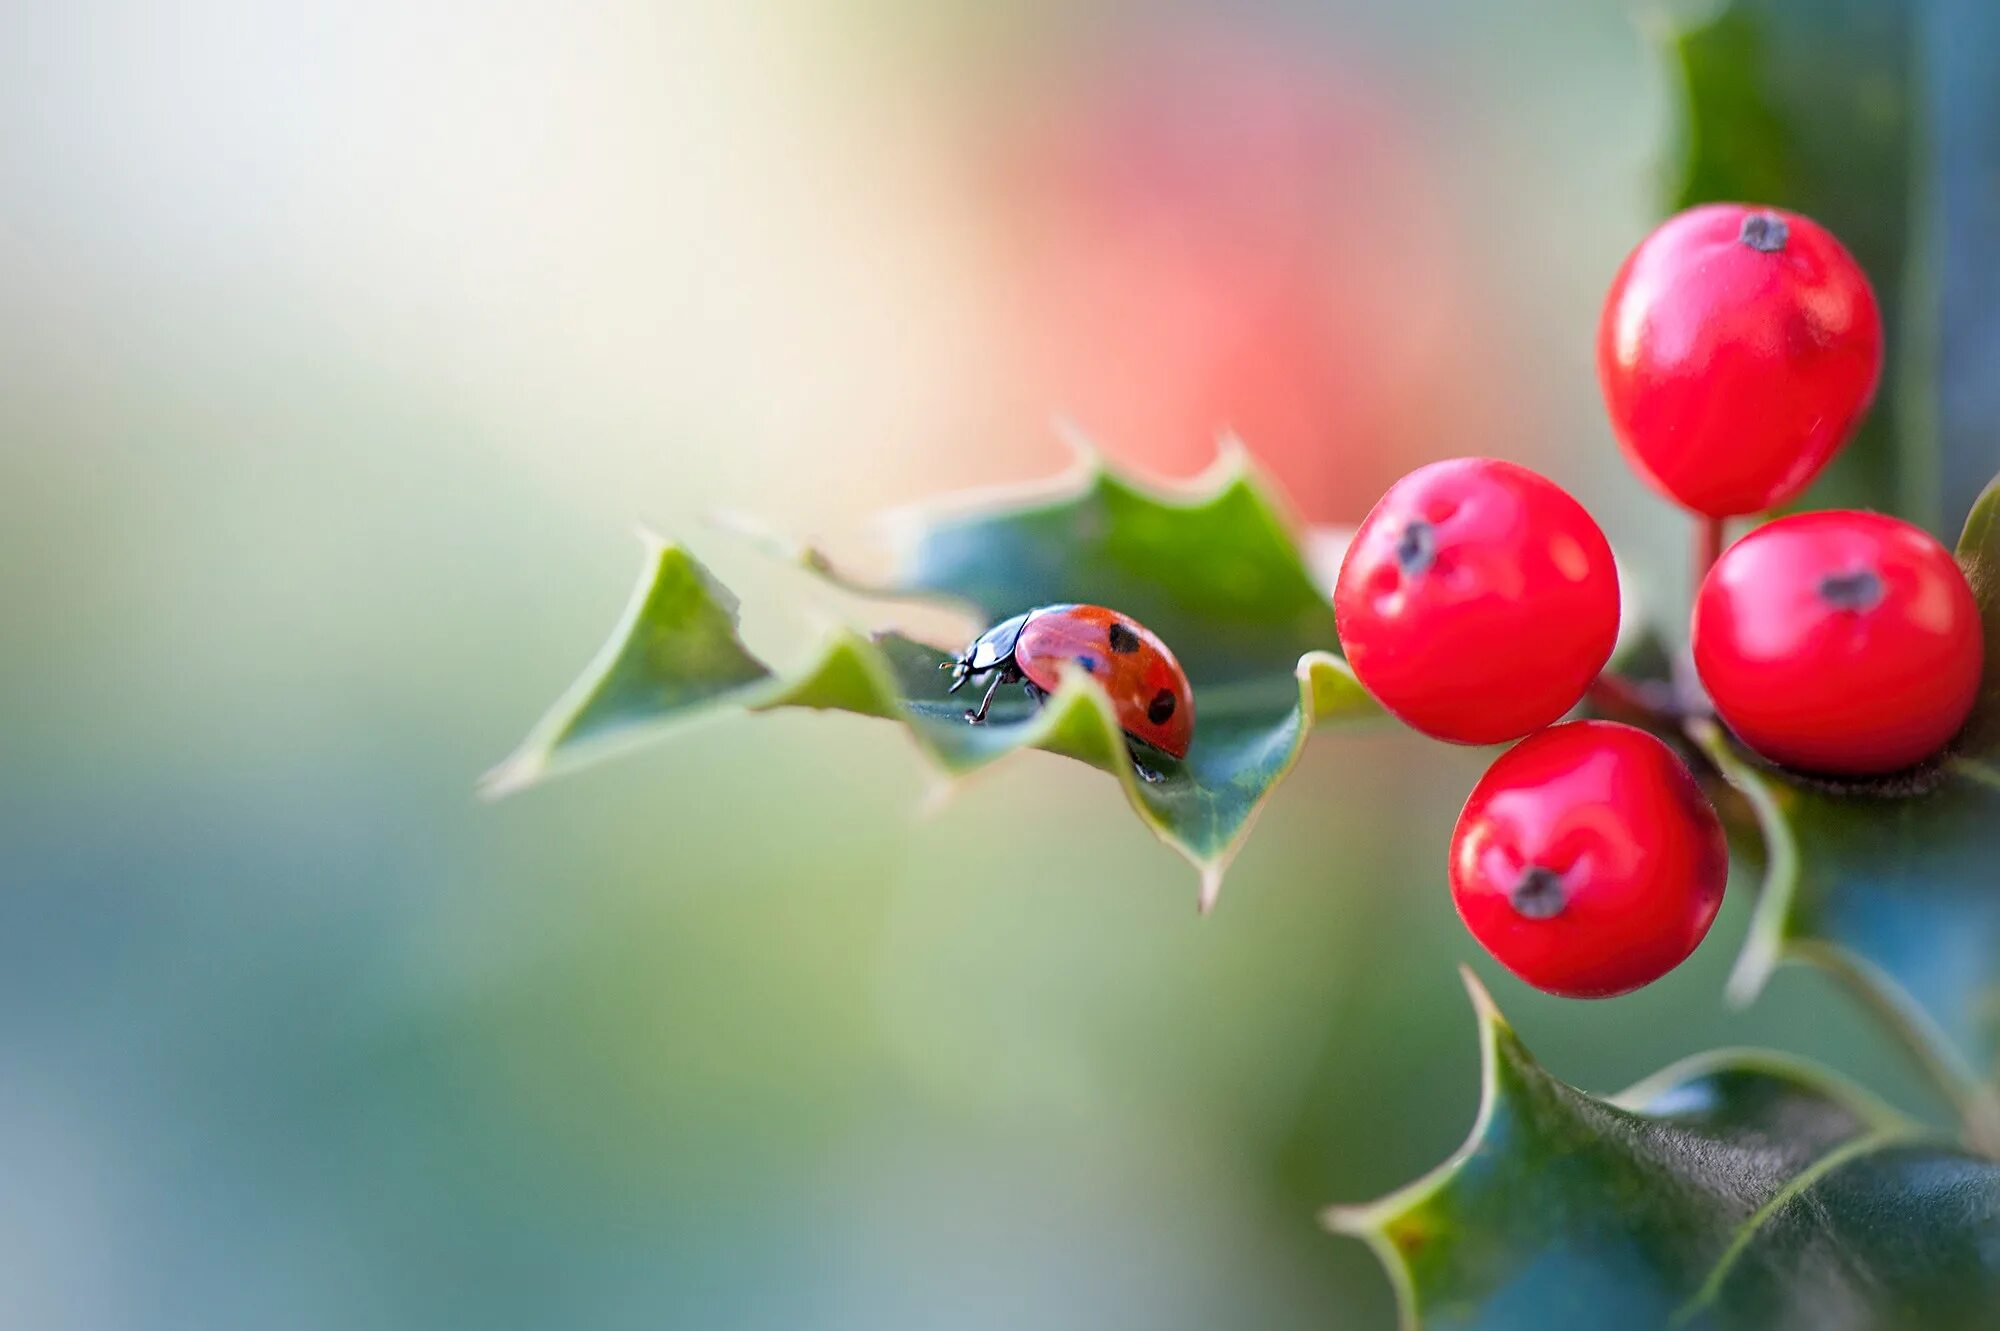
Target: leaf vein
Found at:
x=1844, y=1154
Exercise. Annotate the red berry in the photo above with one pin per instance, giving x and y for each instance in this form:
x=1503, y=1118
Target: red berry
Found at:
x=1477, y=601
x=1839, y=642
x=1738, y=349
x=1587, y=860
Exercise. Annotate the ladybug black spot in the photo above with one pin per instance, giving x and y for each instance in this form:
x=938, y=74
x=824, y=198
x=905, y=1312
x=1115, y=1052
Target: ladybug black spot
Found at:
x=1123, y=640
x=1162, y=707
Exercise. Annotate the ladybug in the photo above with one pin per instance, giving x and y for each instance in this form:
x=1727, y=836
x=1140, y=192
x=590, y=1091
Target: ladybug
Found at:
x=1148, y=688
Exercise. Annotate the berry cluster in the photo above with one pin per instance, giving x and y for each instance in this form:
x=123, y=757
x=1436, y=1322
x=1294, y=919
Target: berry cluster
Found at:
x=1478, y=602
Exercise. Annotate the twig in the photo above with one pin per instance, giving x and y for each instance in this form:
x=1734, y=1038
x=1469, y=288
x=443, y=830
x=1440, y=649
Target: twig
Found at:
x=1709, y=539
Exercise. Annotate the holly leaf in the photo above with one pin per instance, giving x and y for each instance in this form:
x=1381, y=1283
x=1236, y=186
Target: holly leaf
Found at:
x=1214, y=571
x=1892, y=885
x=1737, y=1189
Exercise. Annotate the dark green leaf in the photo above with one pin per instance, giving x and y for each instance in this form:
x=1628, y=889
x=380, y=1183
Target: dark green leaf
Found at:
x=1737, y=1190
x=1215, y=573
x=1979, y=556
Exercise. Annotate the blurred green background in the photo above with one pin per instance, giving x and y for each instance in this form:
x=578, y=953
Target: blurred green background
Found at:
x=340, y=348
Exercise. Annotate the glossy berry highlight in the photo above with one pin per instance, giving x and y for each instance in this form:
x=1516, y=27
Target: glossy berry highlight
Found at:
x=1588, y=861
x=1840, y=642
x=1477, y=601
x=1738, y=350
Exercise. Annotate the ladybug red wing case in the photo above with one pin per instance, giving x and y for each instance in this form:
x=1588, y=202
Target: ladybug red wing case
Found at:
x=1148, y=688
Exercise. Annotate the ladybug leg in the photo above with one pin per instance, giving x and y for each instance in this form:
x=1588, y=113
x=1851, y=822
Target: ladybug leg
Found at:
x=1150, y=775
x=977, y=715
x=1034, y=691
x=959, y=673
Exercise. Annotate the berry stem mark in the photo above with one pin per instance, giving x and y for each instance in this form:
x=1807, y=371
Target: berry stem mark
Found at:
x=1860, y=590
x=1539, y=893
x=1416, y=548
x=1764, y=232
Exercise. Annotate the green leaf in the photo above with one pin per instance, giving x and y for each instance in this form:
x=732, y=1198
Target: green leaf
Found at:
x=1214, y=572
x=1979, y=556
x=1897, y=891
x=1738, y=1189
x=1880, y=119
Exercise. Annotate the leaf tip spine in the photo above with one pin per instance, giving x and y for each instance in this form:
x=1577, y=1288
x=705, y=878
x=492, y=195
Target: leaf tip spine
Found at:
x=1211, y=887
